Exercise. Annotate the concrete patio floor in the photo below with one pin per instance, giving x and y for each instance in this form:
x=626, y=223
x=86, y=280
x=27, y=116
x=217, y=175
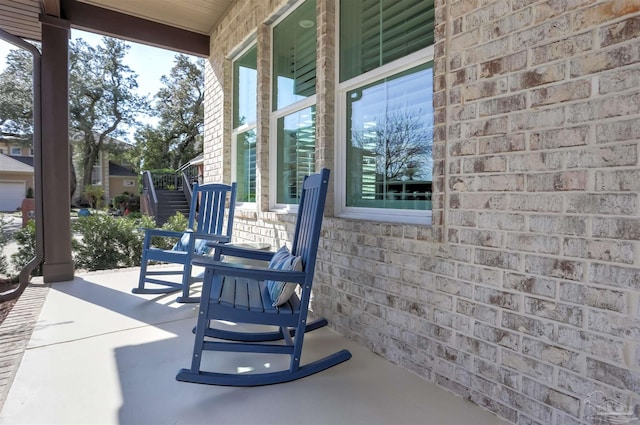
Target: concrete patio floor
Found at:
x=101, y=355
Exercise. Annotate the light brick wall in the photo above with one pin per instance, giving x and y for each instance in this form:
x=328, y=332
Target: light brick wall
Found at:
x=524, y=296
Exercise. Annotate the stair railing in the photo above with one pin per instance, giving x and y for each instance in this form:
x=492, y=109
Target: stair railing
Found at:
x=186, y=187
x=154, y=181
x=149, y=190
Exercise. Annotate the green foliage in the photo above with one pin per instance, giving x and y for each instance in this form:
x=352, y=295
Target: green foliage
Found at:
x=176, y=223
x=127, y=201
x=4, y=240
x=100, y=241
x=26, y=240
x=107, y=242
x=153, y=148
x=29, y=192
x=102, y=97
x=125, y=237
x=93, y=195
x=16, y=94
x=146, y=222
x=180, y=106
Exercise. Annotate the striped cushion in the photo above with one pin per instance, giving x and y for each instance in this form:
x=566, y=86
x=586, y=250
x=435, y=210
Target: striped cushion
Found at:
x=200, y=247
x=280, y=292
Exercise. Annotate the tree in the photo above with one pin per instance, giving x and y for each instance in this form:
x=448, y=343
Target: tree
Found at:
x=102, y=98
x=152, y=148
x=16, y=94
x=180, y=107
x=401, y=144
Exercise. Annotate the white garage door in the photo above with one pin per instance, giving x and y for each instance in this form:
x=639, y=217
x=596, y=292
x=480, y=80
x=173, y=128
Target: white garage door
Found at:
x=11, y=195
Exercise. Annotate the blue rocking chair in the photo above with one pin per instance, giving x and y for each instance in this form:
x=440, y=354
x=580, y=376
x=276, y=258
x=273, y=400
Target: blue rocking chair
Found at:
x=206, y=229
x=259, y=296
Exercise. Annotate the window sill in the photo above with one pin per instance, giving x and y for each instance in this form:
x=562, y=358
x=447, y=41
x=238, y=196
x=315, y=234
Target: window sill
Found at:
x=380, y=217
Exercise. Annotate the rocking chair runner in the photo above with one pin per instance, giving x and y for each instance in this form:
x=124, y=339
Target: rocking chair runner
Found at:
x=206, y=228
x=241, y=294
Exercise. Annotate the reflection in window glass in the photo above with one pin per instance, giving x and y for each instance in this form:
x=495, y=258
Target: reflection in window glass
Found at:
x=390, y=133
x=296, y=153
x=246, y=166
x=245, y=83
x=294, y=56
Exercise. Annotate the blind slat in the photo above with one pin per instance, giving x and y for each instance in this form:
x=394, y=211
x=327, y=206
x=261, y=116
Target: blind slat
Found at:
x=381, y=31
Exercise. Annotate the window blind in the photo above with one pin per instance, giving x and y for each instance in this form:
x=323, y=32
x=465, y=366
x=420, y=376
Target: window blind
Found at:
x=376, y=32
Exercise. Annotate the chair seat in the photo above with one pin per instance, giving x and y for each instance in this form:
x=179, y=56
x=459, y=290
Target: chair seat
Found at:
x=250, y=295
x=245, y=299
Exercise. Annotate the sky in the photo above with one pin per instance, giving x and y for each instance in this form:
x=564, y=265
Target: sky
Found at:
x=150, y=63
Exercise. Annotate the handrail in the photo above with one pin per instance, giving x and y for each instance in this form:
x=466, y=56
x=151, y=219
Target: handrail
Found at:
x=186, y=187
x=148, y=186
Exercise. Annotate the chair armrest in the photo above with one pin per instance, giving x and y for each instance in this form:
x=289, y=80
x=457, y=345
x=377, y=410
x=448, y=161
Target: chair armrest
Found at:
x=162, y=232
x=251, y=272
x=248, y=253
x=215, y=239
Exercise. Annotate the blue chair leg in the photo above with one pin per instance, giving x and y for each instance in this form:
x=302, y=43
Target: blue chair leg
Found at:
x=143, y=268
x=186, y=286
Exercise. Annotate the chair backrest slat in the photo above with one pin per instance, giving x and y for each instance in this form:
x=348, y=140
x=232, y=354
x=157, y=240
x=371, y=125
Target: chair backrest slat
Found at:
x=207, y=214
x=309, y=220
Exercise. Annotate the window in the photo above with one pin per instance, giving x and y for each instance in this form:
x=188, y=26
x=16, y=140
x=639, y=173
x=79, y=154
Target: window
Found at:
x=386, y=90
x=245, y=80
x=294, y=89
x=96, y=172
x=16, y=151
x=376, y=32
x=296, y=153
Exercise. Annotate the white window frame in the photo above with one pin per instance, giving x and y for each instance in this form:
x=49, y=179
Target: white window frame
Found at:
x=273, y=147
x=273, y=123
x=14, y=149
x=99, y=167
x=236, y=131
x=423, y=217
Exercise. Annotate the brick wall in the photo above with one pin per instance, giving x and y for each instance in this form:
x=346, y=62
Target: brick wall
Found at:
x=524, y=295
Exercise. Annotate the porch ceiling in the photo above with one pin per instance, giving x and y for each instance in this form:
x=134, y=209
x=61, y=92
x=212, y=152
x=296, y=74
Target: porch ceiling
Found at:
x=21, y=17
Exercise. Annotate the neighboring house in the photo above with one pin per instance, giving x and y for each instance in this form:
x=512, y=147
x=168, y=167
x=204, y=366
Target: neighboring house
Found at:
x=16, y=173
x=114, y=177
x=14, y=149
x=16, y=177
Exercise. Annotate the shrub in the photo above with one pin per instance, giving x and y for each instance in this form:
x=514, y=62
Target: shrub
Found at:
x=176, y=223
x=93, y=195
x=4, y=240
x=107, y=242
x=146, y=222
x=26, y=240
x=127, y=201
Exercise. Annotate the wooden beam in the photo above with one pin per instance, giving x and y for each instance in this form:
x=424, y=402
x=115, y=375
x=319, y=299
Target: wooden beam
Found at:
x=116, y=24
x=50, y=7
